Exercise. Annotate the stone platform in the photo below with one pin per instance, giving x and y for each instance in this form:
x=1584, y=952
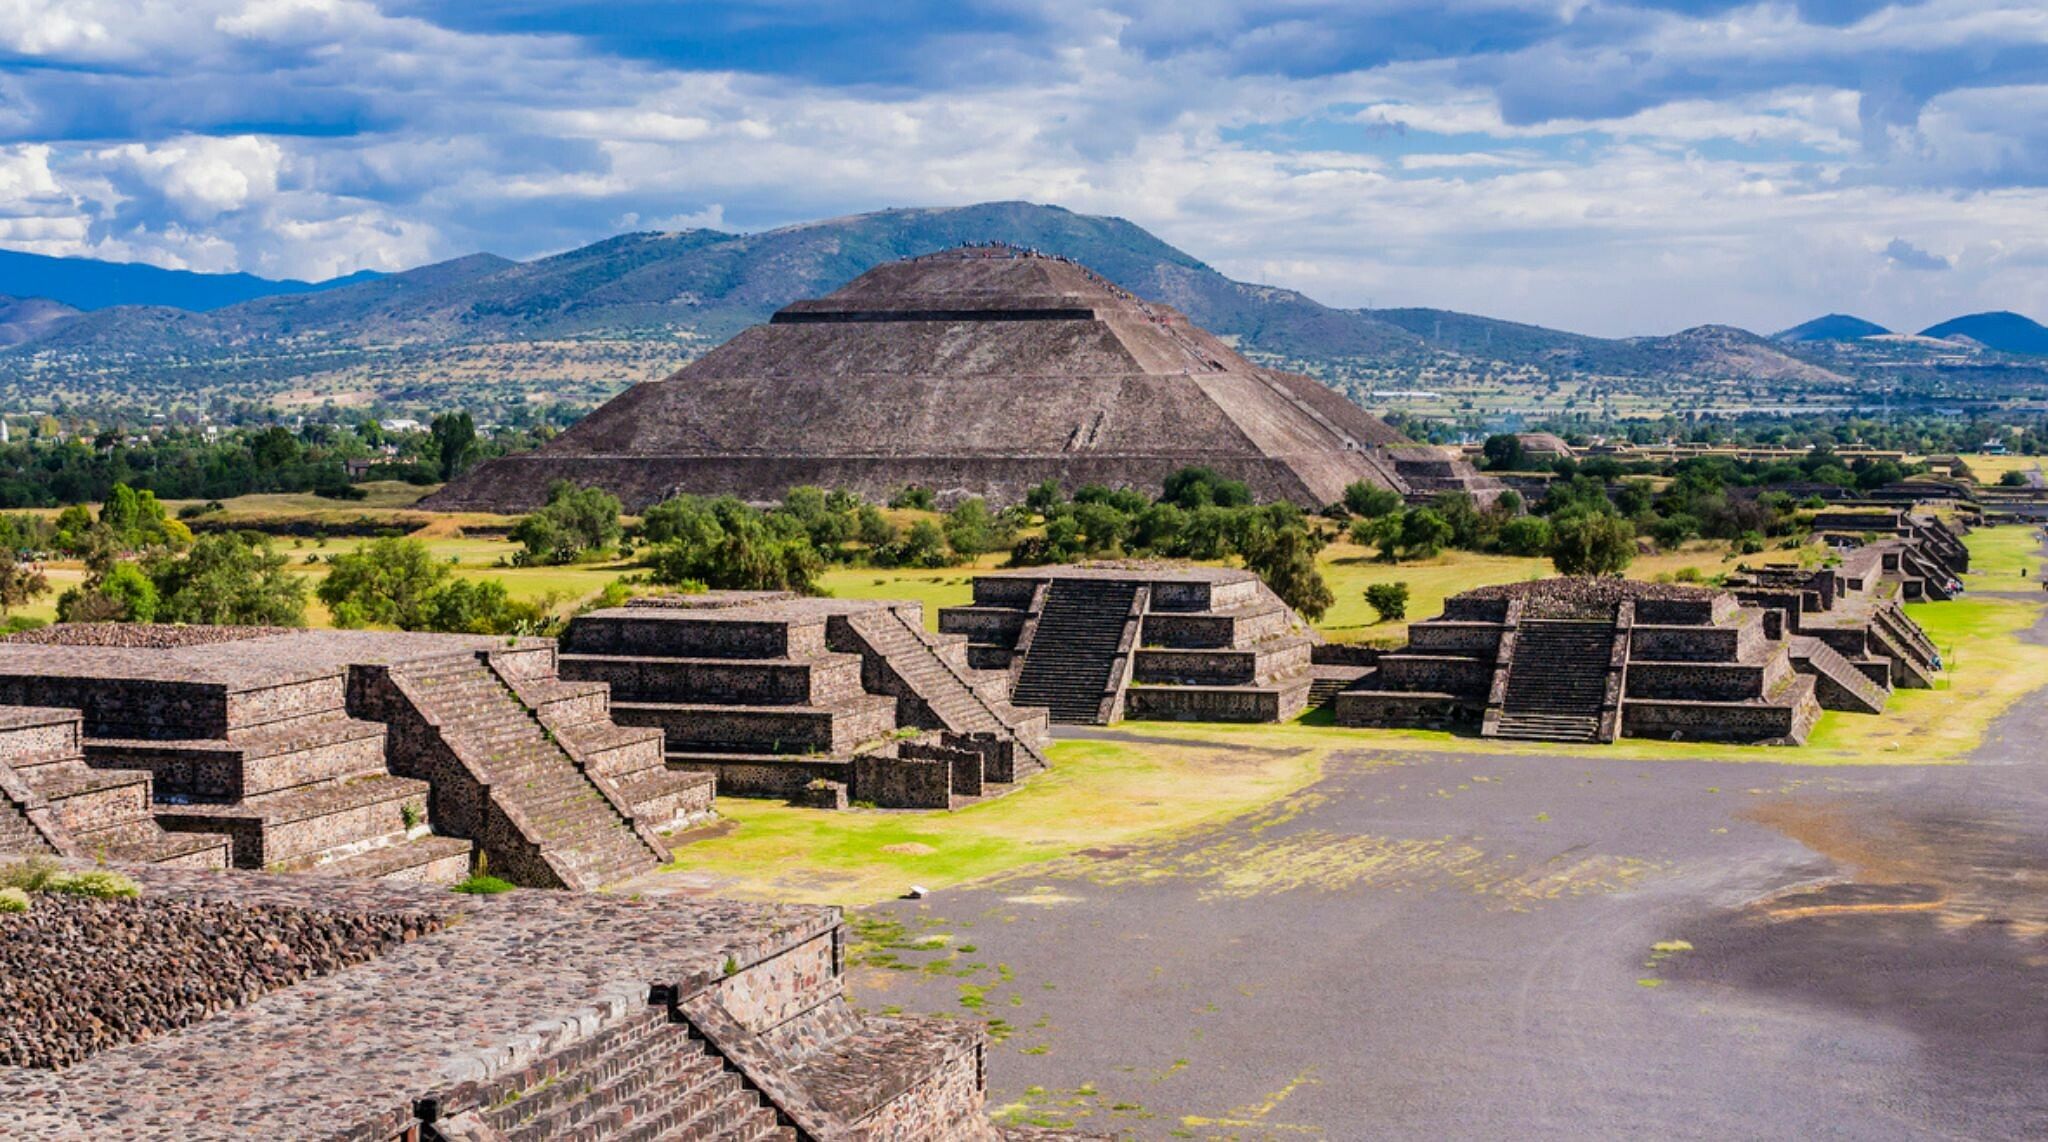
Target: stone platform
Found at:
x=526, y=1016
x=366, y=753
x=772, y=694
x=1590, y=660
x=1095, y=644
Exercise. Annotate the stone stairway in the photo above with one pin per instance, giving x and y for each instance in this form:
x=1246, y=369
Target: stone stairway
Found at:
x=1838, y=684
x=1073, y=653
x=98, y=813
x=1329, y=681
x=1557, y=682
x=580, y=833
x=646, y=1079
x=945, y=689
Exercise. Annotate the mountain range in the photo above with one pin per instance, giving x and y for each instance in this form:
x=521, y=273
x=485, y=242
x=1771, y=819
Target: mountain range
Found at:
x=701, y=286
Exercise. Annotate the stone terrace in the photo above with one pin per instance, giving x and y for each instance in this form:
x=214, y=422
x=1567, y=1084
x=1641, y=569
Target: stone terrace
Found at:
x=367, y=753
x=772, y=692
x=1095, y=644
x=1582, y=659
x=525, y=1016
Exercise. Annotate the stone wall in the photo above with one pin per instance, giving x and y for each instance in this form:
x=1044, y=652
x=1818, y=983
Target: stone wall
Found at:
x=1204, y=704
x=903, y=782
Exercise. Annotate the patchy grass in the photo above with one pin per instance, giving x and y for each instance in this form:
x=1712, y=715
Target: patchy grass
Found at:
x=1097, y=794
x=1987, y=469
x=1999, y=556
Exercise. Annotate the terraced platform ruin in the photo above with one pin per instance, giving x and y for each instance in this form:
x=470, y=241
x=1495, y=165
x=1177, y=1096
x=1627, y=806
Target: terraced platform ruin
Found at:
x=773, y=694
x=530, y=1016
x=350, y=753
x=1590, y=660
x=979, y=371
x=1096, y=644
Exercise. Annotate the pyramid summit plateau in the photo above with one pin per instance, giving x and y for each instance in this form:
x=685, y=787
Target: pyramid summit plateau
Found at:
x=983, y=371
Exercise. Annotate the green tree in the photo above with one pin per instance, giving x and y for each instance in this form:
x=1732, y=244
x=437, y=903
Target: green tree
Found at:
x=1525, y=535
x=453, y=436
x=577, y=521
x=20, y=583
x=1199, y=487
x=1371, y=500
x=924, y=545
x=1504, y=452
x=228, y=579
x=1424, y=534
x=1388, y=600
x=971, y=529
x=1285, y=558
x=1592, y=543
x=476, y=606
x=387, y=582
x=275, y=447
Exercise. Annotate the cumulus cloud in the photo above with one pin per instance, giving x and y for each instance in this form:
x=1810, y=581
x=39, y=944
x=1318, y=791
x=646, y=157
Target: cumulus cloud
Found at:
x=1609, y=166
x=1906, y=256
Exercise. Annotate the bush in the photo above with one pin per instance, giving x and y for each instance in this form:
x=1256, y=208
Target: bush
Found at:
x=1525, y=535
x=13, y=900
x=1371, y=500
x=1285, y=557
x=32, y=875
x=96, y=884
x=913, y=498
x=1592, y=543
x=482, y=884
x=1388, y=600
x=576, y=521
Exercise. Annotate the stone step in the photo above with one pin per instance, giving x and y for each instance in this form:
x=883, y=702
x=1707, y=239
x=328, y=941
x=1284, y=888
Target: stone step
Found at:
x=428, y=859
x=31, y=735
x=85, y=797
x=697, y=727
x=814, y=681
x=210, y=769
x=642, y=1070
x=301, y=824
x=143, y=841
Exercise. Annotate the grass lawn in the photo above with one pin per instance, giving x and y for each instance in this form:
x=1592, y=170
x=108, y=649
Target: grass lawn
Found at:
x=1998, y=555
x=1987, y=469
x=1097, y=794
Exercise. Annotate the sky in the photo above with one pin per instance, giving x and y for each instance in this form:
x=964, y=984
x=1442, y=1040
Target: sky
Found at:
x=1611, y=168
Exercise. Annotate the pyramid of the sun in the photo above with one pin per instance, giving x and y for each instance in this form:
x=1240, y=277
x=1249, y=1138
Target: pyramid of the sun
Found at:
x=979, y=371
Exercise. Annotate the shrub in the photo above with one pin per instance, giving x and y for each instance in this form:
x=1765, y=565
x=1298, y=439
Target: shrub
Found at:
x=13, y=900
x=31, y=875
x=1592, y=543
x=482, y=884
x=1370, y=500
x=1388, y=600
x=1525, y=535
x=95, y=884
x=913, y=497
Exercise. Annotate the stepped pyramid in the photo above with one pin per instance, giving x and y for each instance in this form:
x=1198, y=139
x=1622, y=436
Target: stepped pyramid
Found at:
x=977, y=371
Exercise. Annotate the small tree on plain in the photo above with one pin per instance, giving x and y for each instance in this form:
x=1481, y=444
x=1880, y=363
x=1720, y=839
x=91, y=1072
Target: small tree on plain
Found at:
x=1388, y=600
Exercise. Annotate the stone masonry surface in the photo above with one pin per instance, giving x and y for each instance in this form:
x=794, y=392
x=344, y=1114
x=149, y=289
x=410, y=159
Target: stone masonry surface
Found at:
x=80, y=975
x=346, y=1055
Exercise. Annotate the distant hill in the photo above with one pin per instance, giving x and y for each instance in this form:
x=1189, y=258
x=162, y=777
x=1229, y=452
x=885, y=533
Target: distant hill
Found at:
x=1833, y=327
x=27, y=318
x=2003, y=331
x=88, y=284
x=641, y=303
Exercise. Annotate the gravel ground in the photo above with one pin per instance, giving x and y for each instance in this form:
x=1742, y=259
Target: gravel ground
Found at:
x=1432, y=946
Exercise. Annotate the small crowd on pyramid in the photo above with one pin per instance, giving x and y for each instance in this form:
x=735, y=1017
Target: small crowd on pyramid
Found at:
x=351, y=775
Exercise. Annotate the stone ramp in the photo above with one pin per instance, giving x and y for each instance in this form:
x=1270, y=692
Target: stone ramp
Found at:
x=575, y=829
x=1557, y=681
x=1071, y=666
x=943, y=688
x=1838, y=684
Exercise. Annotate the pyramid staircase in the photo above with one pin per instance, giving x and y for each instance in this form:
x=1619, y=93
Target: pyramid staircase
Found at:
x=1838, y=683
x=946, y=688
x=52, y=801
x=646, y=1078
x=1075, y=654
x=583, y=833
x=1557, y=681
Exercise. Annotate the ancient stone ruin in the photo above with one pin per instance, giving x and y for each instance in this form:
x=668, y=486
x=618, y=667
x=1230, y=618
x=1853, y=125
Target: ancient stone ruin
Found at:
x=383, y=1011
x=979, y=371
x=816, y=698
x=350, y=753
x=1589, y=660
x=1895, y=552
x=1095, y=644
